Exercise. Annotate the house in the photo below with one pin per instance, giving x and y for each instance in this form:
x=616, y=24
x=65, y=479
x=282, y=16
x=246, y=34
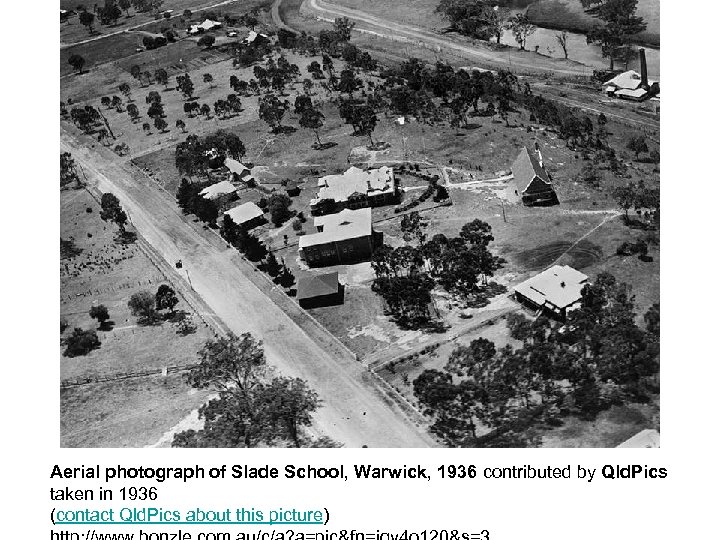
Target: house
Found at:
x=342, y=238
x=353, y=189
x=530, y=183
x=647, y=438
x=204, y=26
x=255, y=39
x=557, y=290
x=220, y=192
x=239, y=172
x=320, y=290
x=247, y=215
x=292, y=188
x=631, y=84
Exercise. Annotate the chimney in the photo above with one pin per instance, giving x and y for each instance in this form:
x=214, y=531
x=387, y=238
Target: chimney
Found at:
x=643, y=69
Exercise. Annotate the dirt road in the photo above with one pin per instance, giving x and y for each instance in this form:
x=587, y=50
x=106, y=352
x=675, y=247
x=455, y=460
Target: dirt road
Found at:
x=355, y=411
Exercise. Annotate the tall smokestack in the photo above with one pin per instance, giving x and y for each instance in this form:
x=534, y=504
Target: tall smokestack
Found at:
x=643, y=69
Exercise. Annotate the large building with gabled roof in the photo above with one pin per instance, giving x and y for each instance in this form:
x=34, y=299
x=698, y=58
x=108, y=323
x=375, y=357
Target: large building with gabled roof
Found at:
x=342, y=238
x=556, y=291
x=353, y=189
x=531, y=184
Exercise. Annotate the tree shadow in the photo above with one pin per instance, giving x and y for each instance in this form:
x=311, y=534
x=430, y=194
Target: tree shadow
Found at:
x=106, y=326
x=176, y=316
x=323, y=146
x=284, y=130
x=471, y=127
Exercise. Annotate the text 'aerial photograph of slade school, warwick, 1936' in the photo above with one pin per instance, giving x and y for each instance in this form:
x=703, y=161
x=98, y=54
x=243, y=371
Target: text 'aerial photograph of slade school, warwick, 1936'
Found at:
x=354, y=224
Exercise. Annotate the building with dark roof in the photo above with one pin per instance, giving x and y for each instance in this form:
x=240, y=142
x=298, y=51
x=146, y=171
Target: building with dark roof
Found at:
x=343, y=238
x=531, y=183
x=320, y=290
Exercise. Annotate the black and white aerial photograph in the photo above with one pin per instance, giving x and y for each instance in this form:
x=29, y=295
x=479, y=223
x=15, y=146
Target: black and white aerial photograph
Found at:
x=360, y=223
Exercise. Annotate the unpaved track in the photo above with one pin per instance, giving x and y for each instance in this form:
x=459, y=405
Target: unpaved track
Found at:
x=354, y=412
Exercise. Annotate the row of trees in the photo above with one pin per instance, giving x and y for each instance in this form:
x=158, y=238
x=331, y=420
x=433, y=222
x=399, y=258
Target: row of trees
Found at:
x=111, y=11
x=254, y=406
x=405, y=276
x=490, y=397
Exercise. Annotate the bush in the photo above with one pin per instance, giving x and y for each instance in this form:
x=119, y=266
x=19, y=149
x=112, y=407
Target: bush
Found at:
x=81, y=342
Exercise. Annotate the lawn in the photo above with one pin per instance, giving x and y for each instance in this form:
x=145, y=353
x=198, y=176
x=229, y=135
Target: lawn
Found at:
x=129, y=413
x=120, y=413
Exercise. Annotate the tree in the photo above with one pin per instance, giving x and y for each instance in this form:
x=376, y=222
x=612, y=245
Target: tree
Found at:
x=68, y=172
x=135, y=71
x=153, y=97
x=208, y=78
x=133, y=111
x=160, y=124
x=481, y=19
x=279, y=208
x=116, y=103
x=87, y=19
x=185, y=85
x=142, y=305
x=315, y=69
x=77, y=62
x=180, y=125
x=271, y=265
x=620, y=23
x=348, y=82
x=161, y=77
x=367, y=121
x=206, y=41
x=562, y=39
x=521, y=28
x=165, y=298
x=205, y=110
x=81, y=342
x=112, y=211
x=100, y=313
x=637, y=145
x=125, y=6
x=125, y=89
x=271, y=110
x=110, y=13
x=312, y=118
x=411, y=225
x=156, y=110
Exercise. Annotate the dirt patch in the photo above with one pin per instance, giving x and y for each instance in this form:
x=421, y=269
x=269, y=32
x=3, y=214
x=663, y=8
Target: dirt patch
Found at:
x=580, y=256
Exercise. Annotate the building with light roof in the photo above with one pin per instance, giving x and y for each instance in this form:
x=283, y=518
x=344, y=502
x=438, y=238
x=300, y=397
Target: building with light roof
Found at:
x=220, y=192
x=556, y=291
x=247, y=215
x=342, y=238
x=353, y=189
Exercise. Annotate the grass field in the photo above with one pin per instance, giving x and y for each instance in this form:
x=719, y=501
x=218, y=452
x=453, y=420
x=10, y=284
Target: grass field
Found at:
x=108, y=273
x=560, y=14
x=130, y=413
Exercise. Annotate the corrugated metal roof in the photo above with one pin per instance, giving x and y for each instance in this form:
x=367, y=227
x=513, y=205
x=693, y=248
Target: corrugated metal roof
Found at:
x=320, y=285
x=525, y=168
x=558, y=286
x=236, y=167
x=244, y=213
x=339, y=187
x=217, y=190
x=341, y=226
x=647, y=438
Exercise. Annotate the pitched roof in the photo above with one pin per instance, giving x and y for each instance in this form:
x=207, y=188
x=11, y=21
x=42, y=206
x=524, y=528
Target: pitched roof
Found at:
x=236, y=167
x=341, y=226
x=525, y=168
x=244, y=213
x=627, y=80
x=558, y=286
x=216, y=190
x=317, y=285
x=339, y=187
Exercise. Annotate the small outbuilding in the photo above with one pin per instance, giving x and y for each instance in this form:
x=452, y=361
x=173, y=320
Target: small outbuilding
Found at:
x=320, y=290
x=556, y=291
x=530, y=182
x=247, y=215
